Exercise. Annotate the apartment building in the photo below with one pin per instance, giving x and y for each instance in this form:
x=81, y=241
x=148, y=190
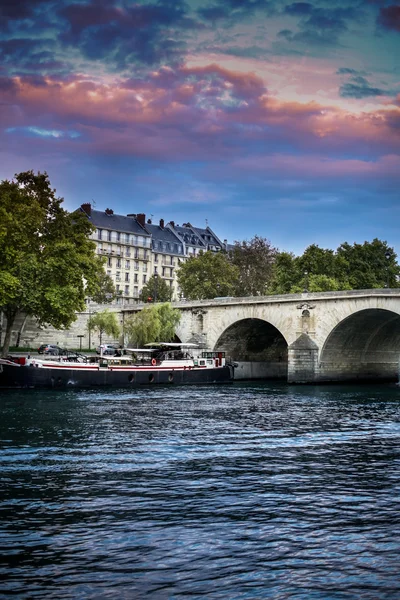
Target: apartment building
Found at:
x=126, y=244
x=135, y=249
x=167, y=253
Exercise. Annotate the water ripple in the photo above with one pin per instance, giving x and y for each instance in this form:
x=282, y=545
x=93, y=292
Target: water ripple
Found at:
x=248, y=491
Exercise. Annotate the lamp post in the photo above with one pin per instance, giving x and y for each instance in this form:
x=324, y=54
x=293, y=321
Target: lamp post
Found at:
x=155, y=286
x=306, y=281
x=80, y=341
x=388, y=256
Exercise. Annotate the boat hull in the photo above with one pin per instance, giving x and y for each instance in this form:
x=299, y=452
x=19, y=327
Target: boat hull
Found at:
x=12, y=377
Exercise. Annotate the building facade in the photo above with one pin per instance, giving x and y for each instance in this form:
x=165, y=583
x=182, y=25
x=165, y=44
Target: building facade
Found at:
x=135, y=250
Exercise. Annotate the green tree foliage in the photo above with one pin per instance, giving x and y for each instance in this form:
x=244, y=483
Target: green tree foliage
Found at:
x=156, y=323
x=156, y=289
x=208, y=275
x=48, y=263
x=285, y=274
x=104, y=322
x=370, y=265
x=254, y=259
x=358, y=266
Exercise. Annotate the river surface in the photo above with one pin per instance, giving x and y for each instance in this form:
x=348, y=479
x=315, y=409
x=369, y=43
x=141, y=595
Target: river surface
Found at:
x=244, y=491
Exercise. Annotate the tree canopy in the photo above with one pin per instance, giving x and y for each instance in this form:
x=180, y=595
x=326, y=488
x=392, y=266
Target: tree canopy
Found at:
x=156, y=290
x=155, y=323
x=254, y=260
x=104, y=322
x=48, y=263
x=207, y=276
x=358, y=266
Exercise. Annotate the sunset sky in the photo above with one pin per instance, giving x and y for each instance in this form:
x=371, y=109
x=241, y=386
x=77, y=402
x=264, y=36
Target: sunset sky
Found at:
x=267, y=117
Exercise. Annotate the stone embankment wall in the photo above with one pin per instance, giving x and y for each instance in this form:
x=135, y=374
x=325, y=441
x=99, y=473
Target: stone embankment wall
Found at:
x=31, y=335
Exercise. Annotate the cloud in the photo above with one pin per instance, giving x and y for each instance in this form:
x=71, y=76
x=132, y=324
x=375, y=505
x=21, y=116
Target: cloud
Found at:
x=360, y=88
x=318, y=26
x=122, y=34
x=203, y=114
x=389, y=17
x=234, y=10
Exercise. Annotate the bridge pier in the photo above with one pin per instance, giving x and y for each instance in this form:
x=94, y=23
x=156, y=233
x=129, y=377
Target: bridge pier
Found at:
x=302, y=360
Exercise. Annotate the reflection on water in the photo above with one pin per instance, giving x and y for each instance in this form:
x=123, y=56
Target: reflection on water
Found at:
x=244, y=491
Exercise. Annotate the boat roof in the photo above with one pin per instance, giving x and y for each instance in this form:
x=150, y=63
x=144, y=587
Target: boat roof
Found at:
x=111, y=358
x=172, y=344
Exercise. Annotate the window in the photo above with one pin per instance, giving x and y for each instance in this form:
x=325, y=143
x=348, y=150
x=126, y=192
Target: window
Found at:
x=118, y=263
x=118, y=276
x=126, y=276
x=127, y=264
x=136, y=278
x=109, y=236
x=118, y=236
x=136, y=266
x=99, y=234
x=109, y=262
x=108, y=271
x=127, y=290
x=156, y=258
x=127, y=238
x=144, y=279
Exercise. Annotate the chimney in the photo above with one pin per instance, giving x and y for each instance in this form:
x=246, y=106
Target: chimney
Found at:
x=87, y=208
x=172, y=223
x=141, y=219
x=109, y=211
x=162, y=223
x=148, y=221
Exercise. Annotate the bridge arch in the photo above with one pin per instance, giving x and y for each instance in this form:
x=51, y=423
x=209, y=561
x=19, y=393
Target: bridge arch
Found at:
x=255, y=342
x=363, y=346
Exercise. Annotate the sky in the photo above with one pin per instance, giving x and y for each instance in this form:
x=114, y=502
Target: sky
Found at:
x=255, y=117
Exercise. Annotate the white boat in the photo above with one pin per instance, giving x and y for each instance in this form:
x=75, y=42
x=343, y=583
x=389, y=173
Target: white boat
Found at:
x=158, y=363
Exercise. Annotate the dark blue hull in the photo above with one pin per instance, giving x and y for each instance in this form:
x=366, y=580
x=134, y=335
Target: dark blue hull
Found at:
x=62, y=378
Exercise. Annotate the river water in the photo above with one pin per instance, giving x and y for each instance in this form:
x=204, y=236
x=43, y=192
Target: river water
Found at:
x=244, y=491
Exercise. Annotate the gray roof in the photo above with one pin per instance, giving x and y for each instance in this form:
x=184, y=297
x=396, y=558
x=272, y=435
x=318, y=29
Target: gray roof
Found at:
x=208, y=236
x=102, y=220
x=166, y=237
x=189, y=236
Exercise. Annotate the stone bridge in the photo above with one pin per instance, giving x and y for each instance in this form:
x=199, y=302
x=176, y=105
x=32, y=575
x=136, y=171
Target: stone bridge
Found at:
x=301, y=338
x=310, y=337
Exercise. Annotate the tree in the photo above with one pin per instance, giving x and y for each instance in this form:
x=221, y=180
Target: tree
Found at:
x=156, y=290
x=370, y=265
x=285, y=274
x=208, y=275
x=48, y=263
x=155, y=323
x=254, y=259
x=104, y=322
x=359, y=266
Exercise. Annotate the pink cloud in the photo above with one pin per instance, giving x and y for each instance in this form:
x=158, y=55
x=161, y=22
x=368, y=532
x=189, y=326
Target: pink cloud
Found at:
x=193, y=113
